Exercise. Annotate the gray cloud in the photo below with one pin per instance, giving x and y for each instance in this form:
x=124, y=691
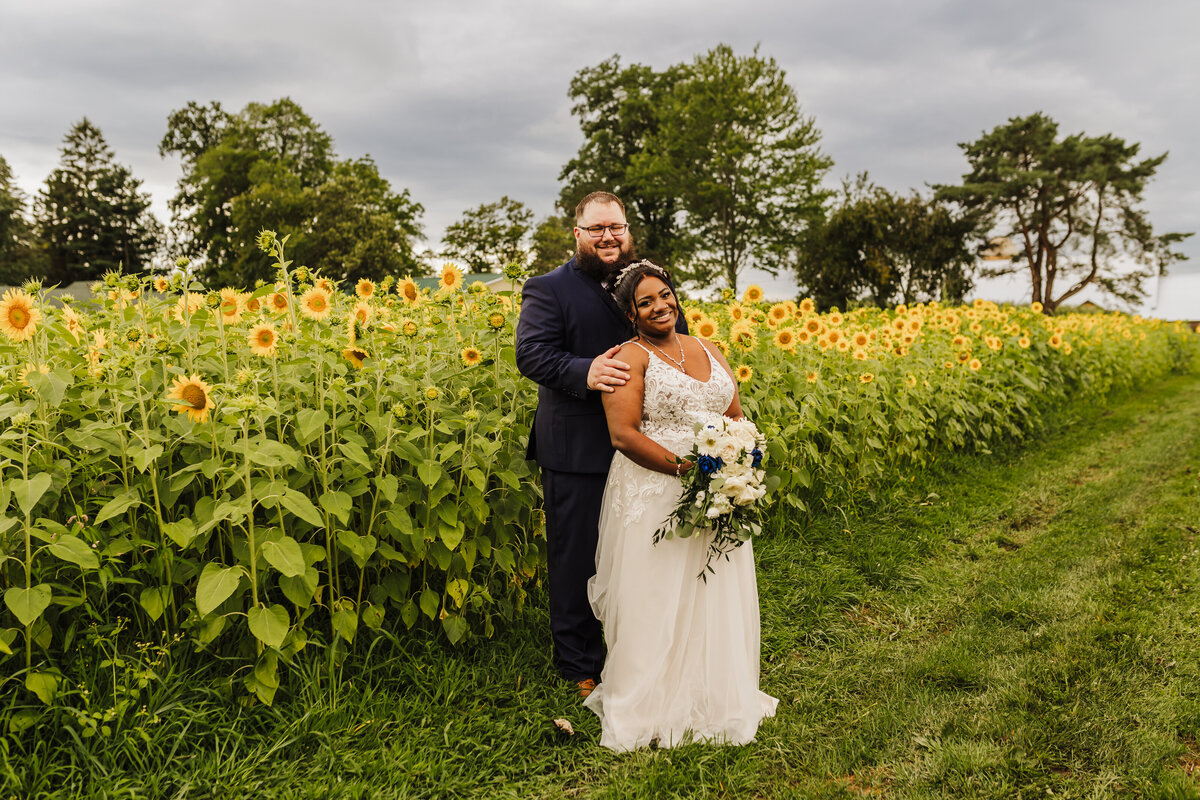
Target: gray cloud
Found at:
x=463, y=102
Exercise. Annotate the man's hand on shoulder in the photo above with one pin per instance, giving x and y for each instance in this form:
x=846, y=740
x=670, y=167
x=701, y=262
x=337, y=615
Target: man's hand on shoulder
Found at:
x=607, y=372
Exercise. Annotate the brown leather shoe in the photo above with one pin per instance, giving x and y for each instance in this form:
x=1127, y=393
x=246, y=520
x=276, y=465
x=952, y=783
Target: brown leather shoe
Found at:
x=585, y=686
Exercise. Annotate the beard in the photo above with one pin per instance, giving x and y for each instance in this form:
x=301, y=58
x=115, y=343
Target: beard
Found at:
x=591, y=264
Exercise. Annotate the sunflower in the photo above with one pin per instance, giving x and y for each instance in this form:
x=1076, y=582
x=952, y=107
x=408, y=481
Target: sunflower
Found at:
x=408, y=327
x=232, y=305
x=743, y=373
x=861, y=339
x=806, y=306
x=754, y=294
x=18, y=318
x=406, y=287
x=963, y=356
x=736, y=312
x=1023, y=342
x=496, y=320
x=161, y=285
x=364, y=288
x=1056, y=340
x=706, y=328
x=193, y=397
x=975, y=364
x=471, y=356
x=785, y=340
x=362, y=313
x=803, y=336
x=779, y=312
x=859, y=355
x=812, y=376
x=814, y=326
x=73, y=322
x=1036, y=307
x=948, y=365
x=187, y=304
x=834, y=319
x=253, y=304
x=911, y=380
x=959, y=340
x=693, y=315
x=278, y=302
x=993, y=343
x=263, y=340
x=315, y=303
x=722, y=345
x=744, y=337
x=355, y=356
x=325, y=285
x=450, y=277
x=899, y=324
x=866, y=377
x=23, y=375
x=432, y=393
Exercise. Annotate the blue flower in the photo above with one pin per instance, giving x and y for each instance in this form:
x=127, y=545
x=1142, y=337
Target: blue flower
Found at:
x=757, y=456
x=709, y=465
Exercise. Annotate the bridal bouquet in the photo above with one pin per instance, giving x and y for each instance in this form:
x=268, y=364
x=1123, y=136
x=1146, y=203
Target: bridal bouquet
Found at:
x=722, y=493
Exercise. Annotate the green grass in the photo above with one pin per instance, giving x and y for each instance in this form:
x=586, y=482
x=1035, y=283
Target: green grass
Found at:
x=1021, y=624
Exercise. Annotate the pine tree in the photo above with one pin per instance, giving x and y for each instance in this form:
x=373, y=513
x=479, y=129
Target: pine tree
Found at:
x=92, y=214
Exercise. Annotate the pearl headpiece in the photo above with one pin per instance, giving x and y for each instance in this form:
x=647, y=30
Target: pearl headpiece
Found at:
x=624, y=273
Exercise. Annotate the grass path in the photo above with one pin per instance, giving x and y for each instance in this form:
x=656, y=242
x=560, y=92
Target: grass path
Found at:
x=1023, y=624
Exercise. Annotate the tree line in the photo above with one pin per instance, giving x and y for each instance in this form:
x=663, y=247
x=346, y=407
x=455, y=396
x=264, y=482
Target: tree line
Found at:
x=719, y=166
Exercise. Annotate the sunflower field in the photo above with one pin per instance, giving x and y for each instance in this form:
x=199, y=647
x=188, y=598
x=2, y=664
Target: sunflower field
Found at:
x=295, y=467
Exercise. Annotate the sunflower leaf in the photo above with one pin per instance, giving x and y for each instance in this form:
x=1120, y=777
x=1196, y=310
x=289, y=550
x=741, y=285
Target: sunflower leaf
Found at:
x=75, y=550
x=285, y=555
x=28, y=604
x=309, y=422
x=269, y=625
x=118, y=505
x=302, y=507
x=28, y=492
x=217, y=584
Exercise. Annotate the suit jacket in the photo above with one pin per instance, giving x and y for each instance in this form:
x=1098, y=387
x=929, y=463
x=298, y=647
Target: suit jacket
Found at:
x=567, y=319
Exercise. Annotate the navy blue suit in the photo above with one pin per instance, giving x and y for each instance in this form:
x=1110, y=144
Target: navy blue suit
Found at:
x=567, y=319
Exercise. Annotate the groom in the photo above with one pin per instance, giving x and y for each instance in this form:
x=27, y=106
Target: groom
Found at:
x=569, y=330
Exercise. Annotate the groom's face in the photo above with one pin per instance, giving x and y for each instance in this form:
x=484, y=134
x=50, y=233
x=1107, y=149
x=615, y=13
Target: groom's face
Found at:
x=608, y=250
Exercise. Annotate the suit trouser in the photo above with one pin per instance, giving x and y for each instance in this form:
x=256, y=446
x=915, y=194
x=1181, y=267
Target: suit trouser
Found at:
x=572, y=504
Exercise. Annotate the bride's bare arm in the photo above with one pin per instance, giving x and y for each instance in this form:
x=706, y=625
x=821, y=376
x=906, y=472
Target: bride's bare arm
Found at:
x=623, y=409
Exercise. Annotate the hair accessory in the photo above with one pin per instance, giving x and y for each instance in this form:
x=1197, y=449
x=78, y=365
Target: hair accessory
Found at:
x=630, y=268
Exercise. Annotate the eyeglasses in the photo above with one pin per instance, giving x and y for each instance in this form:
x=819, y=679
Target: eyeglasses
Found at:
x=596, y=231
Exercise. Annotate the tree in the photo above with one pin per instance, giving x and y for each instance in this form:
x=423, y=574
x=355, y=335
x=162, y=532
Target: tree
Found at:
x=887, y=247
x=91, y=214
x=619, y=111
x=361, y=228
x=742, y=160
x=1073, y=205
x=553, y=243
x=20, y=255
x=489, y=236
x=271, y=166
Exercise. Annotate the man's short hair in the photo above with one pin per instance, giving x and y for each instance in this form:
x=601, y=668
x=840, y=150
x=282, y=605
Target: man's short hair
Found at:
x=597, y=197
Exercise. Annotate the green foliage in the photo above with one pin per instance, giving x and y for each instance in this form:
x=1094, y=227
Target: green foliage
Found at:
x=742, y=160
x=488, y=237
x=21, y=255
x=887, y=247
x=620, y=112
x=999, y=626
x=91, y=214
x=716, y=162
x=272, y=167
x=553, y=243
x=1073, y=205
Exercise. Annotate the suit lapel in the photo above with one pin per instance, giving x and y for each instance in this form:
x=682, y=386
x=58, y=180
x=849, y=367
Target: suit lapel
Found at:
x=600, y=291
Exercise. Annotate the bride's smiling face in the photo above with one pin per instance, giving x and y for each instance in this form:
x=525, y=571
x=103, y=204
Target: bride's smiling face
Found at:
x=655, y=308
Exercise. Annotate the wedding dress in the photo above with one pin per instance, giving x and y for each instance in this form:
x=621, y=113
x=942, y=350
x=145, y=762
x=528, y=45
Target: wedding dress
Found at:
x=683, y=653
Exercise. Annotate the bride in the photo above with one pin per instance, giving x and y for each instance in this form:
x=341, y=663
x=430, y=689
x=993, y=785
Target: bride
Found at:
x=683, y=653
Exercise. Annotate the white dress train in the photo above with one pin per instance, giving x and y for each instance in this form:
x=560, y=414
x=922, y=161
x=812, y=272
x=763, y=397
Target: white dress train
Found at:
x=683, y=653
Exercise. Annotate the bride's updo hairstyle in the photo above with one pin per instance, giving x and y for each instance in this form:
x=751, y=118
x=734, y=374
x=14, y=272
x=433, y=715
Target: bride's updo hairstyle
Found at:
x=630, y=278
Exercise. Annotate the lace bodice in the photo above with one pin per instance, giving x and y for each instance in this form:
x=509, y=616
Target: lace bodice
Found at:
x=672, y=398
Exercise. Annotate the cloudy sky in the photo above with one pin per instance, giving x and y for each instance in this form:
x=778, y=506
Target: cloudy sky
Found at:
x=465, y=100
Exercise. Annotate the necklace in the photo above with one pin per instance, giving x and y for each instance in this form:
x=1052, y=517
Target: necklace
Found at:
x=682, y=355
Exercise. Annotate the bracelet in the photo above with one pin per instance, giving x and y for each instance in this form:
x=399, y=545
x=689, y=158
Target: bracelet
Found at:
x=678, y=468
